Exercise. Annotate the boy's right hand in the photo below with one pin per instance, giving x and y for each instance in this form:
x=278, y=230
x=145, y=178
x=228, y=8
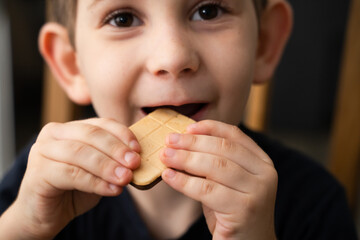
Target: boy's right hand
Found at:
x=70, y=167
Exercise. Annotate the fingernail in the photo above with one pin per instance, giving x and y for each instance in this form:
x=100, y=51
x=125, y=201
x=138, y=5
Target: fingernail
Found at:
x=134, y=145
x=174, y=138
x=130, y=157
x=112, y=187
x=191, y=127
x=169, y=152
x=120, y=172
x=169, y=173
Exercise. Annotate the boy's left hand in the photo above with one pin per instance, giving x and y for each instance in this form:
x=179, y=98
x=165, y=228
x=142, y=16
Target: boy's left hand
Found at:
x=233, y=178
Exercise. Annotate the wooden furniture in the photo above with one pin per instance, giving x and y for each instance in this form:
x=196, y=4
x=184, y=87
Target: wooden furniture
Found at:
x=56, y=105
x=257, y=108
x=345, y=140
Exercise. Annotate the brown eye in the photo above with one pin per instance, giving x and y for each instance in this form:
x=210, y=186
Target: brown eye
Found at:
x=124, y=20
x=207, y=12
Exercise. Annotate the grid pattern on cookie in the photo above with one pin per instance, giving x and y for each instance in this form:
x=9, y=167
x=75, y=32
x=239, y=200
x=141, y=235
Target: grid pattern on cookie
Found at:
x=151, y=132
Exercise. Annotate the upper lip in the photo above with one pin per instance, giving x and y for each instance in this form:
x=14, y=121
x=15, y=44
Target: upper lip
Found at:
x=172, y=102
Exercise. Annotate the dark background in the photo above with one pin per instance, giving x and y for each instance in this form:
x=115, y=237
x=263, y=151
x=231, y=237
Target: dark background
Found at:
x=26, y=18
x=303, y=89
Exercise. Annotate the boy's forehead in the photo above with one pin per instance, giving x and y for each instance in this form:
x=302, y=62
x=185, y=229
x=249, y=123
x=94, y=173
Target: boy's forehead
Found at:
x=93, y=3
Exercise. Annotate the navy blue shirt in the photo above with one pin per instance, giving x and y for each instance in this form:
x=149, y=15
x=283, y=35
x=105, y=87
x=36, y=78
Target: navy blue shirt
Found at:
x=310, y=203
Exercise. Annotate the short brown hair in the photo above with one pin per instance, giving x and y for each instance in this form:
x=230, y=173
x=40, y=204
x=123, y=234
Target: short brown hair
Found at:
x=64, y=12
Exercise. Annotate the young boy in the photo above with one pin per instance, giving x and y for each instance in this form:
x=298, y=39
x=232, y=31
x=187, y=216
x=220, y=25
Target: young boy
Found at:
x=129, y=57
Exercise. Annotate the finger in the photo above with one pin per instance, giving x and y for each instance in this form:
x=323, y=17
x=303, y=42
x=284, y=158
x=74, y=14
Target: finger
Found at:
x=85, y=157
x=216, y=168
x=96, y=137
x=219, y=147
x=231, y=132
x=209, y=193
x=122, y=132
x=67, y=177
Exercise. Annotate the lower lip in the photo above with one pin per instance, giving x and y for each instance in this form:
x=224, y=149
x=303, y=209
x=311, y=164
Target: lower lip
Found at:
x=200, y=114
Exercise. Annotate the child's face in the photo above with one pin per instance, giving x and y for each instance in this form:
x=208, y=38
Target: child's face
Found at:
x=136, y=54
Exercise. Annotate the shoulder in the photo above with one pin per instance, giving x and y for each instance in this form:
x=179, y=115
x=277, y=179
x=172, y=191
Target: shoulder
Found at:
x=310, y=201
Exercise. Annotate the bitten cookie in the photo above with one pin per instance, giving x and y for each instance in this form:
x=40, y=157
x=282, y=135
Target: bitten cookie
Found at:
x=151, y=132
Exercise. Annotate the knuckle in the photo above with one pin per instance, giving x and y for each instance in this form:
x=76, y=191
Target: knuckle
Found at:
x=193, y=141
x=94, y=131
x=189, y=161
x=228, y=231
x=35, y=148
x=269, y=175
x=95, y=182
x=75, y=173
x=235, y=130
x=226, y=145
x=123, y=131
x=116, y=150
x=184, y=181
x=207, y=187
x=219, y=163
x=100, y=161
x=272, y=175
x=104, y=120
x=78, y=149
x=48, y=128
x=117, y=129
x=250, y=207
x=35, y=151
x=207, y=123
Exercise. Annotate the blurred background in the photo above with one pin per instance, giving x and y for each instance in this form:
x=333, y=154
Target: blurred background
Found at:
x=300, y=108
x=21, y=75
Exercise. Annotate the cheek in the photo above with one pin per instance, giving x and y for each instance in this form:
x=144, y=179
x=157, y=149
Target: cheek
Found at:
x=234, y=90
x=103, y=75
x=234, y=70
x=109, y=81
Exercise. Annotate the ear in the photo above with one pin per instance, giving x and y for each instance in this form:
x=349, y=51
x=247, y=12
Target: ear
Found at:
x=59, y=54
x=275, y=27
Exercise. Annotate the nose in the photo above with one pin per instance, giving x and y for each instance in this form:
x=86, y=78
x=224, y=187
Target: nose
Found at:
x=172, y=54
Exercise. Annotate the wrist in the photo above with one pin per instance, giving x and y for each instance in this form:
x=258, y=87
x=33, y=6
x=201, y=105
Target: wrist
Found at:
x=14, y=225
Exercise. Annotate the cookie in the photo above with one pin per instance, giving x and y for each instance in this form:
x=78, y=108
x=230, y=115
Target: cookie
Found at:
x=151, y=132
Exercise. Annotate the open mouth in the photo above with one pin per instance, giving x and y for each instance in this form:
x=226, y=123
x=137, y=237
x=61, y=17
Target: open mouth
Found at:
x=188, y=110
